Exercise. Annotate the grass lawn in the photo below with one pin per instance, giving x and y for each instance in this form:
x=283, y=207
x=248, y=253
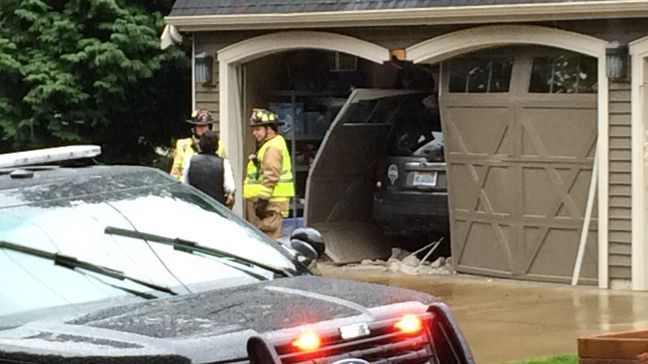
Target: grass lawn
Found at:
x=561, y=359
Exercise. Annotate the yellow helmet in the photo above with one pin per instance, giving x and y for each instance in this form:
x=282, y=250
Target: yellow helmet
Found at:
x=263, y=117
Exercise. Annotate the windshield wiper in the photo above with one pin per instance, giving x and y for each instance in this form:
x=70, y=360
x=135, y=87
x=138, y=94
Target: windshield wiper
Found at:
x=191, y=247
x=72, y=263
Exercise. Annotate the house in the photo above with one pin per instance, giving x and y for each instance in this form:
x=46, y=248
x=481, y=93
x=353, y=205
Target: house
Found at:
x=542, y=104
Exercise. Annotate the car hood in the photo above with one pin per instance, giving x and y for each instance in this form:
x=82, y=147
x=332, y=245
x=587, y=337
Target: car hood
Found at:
x=209, y=326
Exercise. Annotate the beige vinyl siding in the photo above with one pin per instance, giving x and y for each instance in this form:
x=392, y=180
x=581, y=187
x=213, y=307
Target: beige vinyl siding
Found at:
x=620, y=187
x=207, y=97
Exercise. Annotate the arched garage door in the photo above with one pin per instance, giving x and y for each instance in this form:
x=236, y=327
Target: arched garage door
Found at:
x=520, y=128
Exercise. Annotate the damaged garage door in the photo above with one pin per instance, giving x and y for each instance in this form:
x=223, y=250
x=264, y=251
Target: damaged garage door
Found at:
x=520, y=127
x=342, y=179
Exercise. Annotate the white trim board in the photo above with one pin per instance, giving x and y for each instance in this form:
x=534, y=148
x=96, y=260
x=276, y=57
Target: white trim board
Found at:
x=452, y=44
x=638, y=53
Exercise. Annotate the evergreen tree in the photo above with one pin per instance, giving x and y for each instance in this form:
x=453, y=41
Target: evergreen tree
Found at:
x=90, y=71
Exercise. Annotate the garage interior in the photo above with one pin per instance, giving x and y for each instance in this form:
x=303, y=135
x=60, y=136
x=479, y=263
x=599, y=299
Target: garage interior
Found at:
x=519, y=159
x=315, y=85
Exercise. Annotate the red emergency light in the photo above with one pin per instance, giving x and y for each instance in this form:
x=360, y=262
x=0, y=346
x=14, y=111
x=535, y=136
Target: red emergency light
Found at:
x=409, y=324
x=308, y=341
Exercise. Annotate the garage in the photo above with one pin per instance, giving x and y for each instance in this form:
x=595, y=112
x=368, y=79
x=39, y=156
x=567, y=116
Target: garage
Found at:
x=526, y=168
x=521, y=132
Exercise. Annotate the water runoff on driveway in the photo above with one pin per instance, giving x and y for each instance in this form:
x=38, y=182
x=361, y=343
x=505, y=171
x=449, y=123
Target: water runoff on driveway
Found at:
x=507, y=320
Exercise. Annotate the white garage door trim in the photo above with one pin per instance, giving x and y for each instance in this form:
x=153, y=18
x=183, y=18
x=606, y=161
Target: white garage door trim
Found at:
x=452, y=44
x=638, y=53
x=231, y=57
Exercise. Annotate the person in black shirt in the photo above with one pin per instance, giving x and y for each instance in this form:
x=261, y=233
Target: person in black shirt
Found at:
x=210, y=173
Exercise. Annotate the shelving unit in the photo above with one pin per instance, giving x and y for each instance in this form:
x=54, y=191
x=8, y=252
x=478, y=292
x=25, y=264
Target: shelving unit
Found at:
x=302, y=107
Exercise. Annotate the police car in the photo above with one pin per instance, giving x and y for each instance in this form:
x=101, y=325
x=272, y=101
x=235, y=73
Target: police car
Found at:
x=123, y=264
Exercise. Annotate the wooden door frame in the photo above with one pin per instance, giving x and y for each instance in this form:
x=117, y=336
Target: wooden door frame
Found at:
x=464, y=41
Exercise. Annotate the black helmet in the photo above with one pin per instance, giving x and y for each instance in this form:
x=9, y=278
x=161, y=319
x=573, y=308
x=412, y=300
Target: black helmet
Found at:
x=200, y=117
x=262, y=117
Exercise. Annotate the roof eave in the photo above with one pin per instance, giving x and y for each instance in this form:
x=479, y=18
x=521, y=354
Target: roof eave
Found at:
x=428, y=16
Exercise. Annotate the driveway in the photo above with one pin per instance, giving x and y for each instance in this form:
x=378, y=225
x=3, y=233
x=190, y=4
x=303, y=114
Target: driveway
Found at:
x=506, y=320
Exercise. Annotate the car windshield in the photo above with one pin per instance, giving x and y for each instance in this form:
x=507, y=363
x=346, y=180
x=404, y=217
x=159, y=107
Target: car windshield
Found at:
x=51, y=218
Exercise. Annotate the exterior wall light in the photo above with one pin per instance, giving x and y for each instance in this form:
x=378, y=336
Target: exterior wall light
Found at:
x=616, y=55
x=204, y=67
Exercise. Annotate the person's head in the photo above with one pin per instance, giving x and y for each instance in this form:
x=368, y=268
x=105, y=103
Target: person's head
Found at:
x=202, y=121
x=264, y=124
x=208, y=142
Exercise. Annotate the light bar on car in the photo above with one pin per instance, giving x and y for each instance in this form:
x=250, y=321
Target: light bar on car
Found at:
x=48, y=155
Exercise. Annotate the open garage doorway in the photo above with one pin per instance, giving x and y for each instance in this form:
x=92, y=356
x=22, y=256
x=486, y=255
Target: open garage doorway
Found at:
x=349, y=122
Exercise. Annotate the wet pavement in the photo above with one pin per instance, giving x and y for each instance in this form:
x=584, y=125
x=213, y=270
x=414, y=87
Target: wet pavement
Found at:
x=506, y=320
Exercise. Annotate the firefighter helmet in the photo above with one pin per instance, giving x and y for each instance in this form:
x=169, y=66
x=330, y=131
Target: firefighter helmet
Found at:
x=262, y=117
x=200, y=117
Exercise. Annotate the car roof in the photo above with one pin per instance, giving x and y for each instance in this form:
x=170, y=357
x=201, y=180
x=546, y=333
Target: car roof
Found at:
x=55, y=182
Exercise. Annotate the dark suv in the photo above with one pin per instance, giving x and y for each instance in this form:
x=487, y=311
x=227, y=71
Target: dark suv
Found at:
x=411, y=196
x=123, y=264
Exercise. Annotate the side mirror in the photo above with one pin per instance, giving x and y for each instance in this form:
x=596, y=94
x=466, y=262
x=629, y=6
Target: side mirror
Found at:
x=261, y=351
x=307, y=243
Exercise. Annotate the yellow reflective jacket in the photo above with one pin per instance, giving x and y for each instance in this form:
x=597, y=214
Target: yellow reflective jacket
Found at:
x=262, y=182
x=185, y=148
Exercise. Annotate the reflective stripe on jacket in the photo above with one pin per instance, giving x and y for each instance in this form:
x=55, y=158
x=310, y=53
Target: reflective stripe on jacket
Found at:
x=254, y=186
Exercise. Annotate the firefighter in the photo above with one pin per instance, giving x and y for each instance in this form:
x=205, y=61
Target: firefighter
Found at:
x=185, y=148
x=268, y=184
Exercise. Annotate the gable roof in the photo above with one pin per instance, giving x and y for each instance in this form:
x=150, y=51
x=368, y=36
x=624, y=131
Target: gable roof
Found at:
x=206, y=15
x=224, y=7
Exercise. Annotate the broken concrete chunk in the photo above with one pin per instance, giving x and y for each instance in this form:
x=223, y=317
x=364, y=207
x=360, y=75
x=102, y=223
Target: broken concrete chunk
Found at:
x=398, y=253
x=449, y=263
x=411, y=261
x=438, y=263
x=394, y=266
x=408, y=269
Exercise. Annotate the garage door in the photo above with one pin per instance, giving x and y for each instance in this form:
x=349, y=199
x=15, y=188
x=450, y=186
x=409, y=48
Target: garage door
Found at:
x=520, y=127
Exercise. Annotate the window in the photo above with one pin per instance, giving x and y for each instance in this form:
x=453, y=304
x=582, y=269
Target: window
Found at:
x=480, y=74
x=567, y=72
x=342, y=62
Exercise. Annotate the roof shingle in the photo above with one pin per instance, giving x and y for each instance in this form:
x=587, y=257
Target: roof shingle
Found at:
x=225, y=7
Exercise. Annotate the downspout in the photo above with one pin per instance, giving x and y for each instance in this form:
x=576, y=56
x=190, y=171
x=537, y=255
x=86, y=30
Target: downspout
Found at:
x=193, y=72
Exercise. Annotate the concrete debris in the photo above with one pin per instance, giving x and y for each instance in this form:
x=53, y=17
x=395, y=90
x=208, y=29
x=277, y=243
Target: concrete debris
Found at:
x=398, y=254
x=450, y=264
x=404, y=262
x=438, y=263
x=411, y=261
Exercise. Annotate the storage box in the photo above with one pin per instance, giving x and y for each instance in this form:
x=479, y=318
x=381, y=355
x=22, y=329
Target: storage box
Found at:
x=316, y=123
x=284, y=111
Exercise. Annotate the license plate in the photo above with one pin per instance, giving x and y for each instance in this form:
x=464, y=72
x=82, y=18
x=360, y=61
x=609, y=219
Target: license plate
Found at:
x=428, y=179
